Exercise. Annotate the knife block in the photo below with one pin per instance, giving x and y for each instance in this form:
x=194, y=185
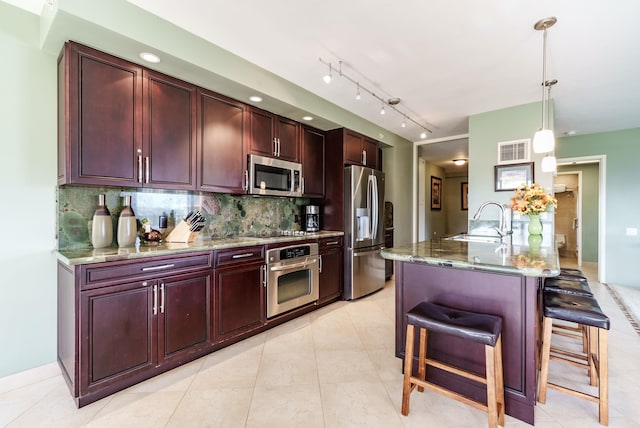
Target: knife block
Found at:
x=182, y=233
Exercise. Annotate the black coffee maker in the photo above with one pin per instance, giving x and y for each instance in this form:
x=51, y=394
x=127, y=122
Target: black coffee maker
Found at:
x=312, y=218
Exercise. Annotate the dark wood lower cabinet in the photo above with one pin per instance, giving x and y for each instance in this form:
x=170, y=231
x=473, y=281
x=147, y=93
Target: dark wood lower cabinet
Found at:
x=239, y=303
x=330, y=269
x=123, y=322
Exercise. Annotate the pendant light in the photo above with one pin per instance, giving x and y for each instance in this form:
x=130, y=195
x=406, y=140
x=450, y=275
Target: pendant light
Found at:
x=544, y=140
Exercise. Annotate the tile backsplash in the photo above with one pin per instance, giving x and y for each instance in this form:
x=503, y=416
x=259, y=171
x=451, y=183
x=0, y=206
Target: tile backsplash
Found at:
x=226, y=215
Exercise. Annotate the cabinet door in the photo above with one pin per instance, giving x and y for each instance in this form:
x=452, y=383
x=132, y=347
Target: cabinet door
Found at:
x=331, y=272
x=288, y=136
x=370, y=148
x=239, y=302
x=103, y=118
x=261, y=133
x=221, y=156
x=313, y=147
x=352, y=148
x=117, y=334
x=169, y=117
x=183, y=315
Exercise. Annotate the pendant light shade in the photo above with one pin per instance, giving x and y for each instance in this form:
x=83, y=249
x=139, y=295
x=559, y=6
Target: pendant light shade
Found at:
x=543, y=141
x=549, y=163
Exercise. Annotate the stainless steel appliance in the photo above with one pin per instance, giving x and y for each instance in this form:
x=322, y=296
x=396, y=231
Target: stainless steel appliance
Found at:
x=292, y=277
x=274, y=177
x=364, y=231
x=312, y=218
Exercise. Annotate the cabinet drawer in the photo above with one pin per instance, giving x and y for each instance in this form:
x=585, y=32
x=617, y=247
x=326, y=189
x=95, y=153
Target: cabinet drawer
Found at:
x=326, y=244
x=239, y=255
x=106, y=273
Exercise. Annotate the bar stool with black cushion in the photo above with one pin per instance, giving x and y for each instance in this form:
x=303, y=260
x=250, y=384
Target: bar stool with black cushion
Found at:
x=479, y=328
x=571, y=276
x=585, y=311
x=571, y=271
x=575, y=287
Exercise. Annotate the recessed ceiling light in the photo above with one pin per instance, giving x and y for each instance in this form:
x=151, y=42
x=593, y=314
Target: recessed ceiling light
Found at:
x=307, y=118
x=255, y=98
x=149, y=57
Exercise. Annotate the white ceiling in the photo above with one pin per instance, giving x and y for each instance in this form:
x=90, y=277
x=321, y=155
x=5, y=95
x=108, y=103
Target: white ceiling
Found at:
x=445, y=60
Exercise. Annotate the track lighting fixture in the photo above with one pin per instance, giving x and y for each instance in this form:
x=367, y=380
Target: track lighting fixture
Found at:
x=327, y=77
x=391, y=103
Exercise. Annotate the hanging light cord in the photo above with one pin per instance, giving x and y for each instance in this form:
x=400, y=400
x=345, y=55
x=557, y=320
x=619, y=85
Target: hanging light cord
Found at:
x=382, y=100
x=545, y=124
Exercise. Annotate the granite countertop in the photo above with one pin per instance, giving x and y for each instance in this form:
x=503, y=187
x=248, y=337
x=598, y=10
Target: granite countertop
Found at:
x=504, y=258
x=90, y=255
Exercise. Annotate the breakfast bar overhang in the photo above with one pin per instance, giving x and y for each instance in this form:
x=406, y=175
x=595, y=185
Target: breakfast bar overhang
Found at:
x=497, y=278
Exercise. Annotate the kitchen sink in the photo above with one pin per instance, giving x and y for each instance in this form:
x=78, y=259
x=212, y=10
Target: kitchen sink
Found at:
x=475, y=238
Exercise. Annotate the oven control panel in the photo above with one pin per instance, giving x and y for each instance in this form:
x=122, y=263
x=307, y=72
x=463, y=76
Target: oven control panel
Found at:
x=291, y=252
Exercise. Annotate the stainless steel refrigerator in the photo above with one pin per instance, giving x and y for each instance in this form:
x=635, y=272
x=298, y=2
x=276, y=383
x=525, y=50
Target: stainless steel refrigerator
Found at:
x=364, y=231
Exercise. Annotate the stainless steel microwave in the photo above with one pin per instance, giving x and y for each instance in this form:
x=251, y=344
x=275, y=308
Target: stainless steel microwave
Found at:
x=274, y=177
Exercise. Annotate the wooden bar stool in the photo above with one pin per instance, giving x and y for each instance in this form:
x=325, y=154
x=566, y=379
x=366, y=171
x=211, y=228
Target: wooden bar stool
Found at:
x=479, y=328
x=578, y=287
x=584, y=311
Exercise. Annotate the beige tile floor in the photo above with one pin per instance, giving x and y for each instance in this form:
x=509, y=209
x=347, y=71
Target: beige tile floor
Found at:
x=332, y=368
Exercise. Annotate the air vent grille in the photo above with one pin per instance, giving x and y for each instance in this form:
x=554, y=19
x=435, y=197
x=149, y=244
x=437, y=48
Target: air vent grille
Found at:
x=513, y=151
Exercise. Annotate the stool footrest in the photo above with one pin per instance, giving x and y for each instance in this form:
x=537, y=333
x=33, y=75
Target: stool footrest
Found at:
x=573, y=392
x=455, y=370
x=449, y=393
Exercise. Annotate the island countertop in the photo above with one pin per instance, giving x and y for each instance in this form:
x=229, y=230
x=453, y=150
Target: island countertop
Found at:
x=505, y=258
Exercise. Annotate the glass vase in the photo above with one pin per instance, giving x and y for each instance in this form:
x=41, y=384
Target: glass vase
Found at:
x=535, y=226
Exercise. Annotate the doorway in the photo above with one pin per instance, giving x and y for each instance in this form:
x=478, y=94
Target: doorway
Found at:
x=568, y=217
x=590, y=197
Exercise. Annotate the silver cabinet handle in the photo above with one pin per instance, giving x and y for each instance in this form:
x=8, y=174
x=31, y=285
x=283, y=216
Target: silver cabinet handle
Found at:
x=140, y=169
x=162, y=298
x=241, y=256
x=278, y=147
x=245, y=185
x=275, y=147
x=155, y=300
x=320, y=264
x=146, y=172
x=364, y=157
x=263, y=273
x=161, y=267
x=331, y=243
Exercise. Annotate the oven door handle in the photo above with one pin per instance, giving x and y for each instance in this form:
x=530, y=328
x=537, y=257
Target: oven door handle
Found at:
x=293, y=266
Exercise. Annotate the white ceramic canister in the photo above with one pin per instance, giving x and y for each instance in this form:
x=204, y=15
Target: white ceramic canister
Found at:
x=102, y=228
x=127, y=230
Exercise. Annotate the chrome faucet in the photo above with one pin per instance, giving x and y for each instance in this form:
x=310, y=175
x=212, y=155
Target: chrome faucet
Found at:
x=505, y=217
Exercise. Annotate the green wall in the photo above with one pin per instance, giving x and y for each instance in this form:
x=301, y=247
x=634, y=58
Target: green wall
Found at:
x=622, y=151
x=488, y=129
x=28, y=182
x=590, y=190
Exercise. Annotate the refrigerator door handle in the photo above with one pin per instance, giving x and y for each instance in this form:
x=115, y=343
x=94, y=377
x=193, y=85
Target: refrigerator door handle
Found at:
x=374, y=208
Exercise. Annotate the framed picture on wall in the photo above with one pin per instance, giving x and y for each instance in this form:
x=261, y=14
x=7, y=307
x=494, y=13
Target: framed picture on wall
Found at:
x=510, y=177
x=464, y=196
x=436, y=193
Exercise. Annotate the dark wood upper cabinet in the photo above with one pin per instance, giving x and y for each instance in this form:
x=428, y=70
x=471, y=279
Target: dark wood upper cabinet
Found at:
x=123, y=125
x=358, y=149
x=100, y=118
x=221, y=150
x=313, y=147
x=169, y=138
x=273, y=136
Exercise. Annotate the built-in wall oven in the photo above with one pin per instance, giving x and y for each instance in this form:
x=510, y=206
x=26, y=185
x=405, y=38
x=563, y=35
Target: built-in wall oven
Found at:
x=292, y=277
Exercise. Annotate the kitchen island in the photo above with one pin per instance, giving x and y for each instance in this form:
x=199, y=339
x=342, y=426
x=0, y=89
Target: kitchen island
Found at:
x=493, y=278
